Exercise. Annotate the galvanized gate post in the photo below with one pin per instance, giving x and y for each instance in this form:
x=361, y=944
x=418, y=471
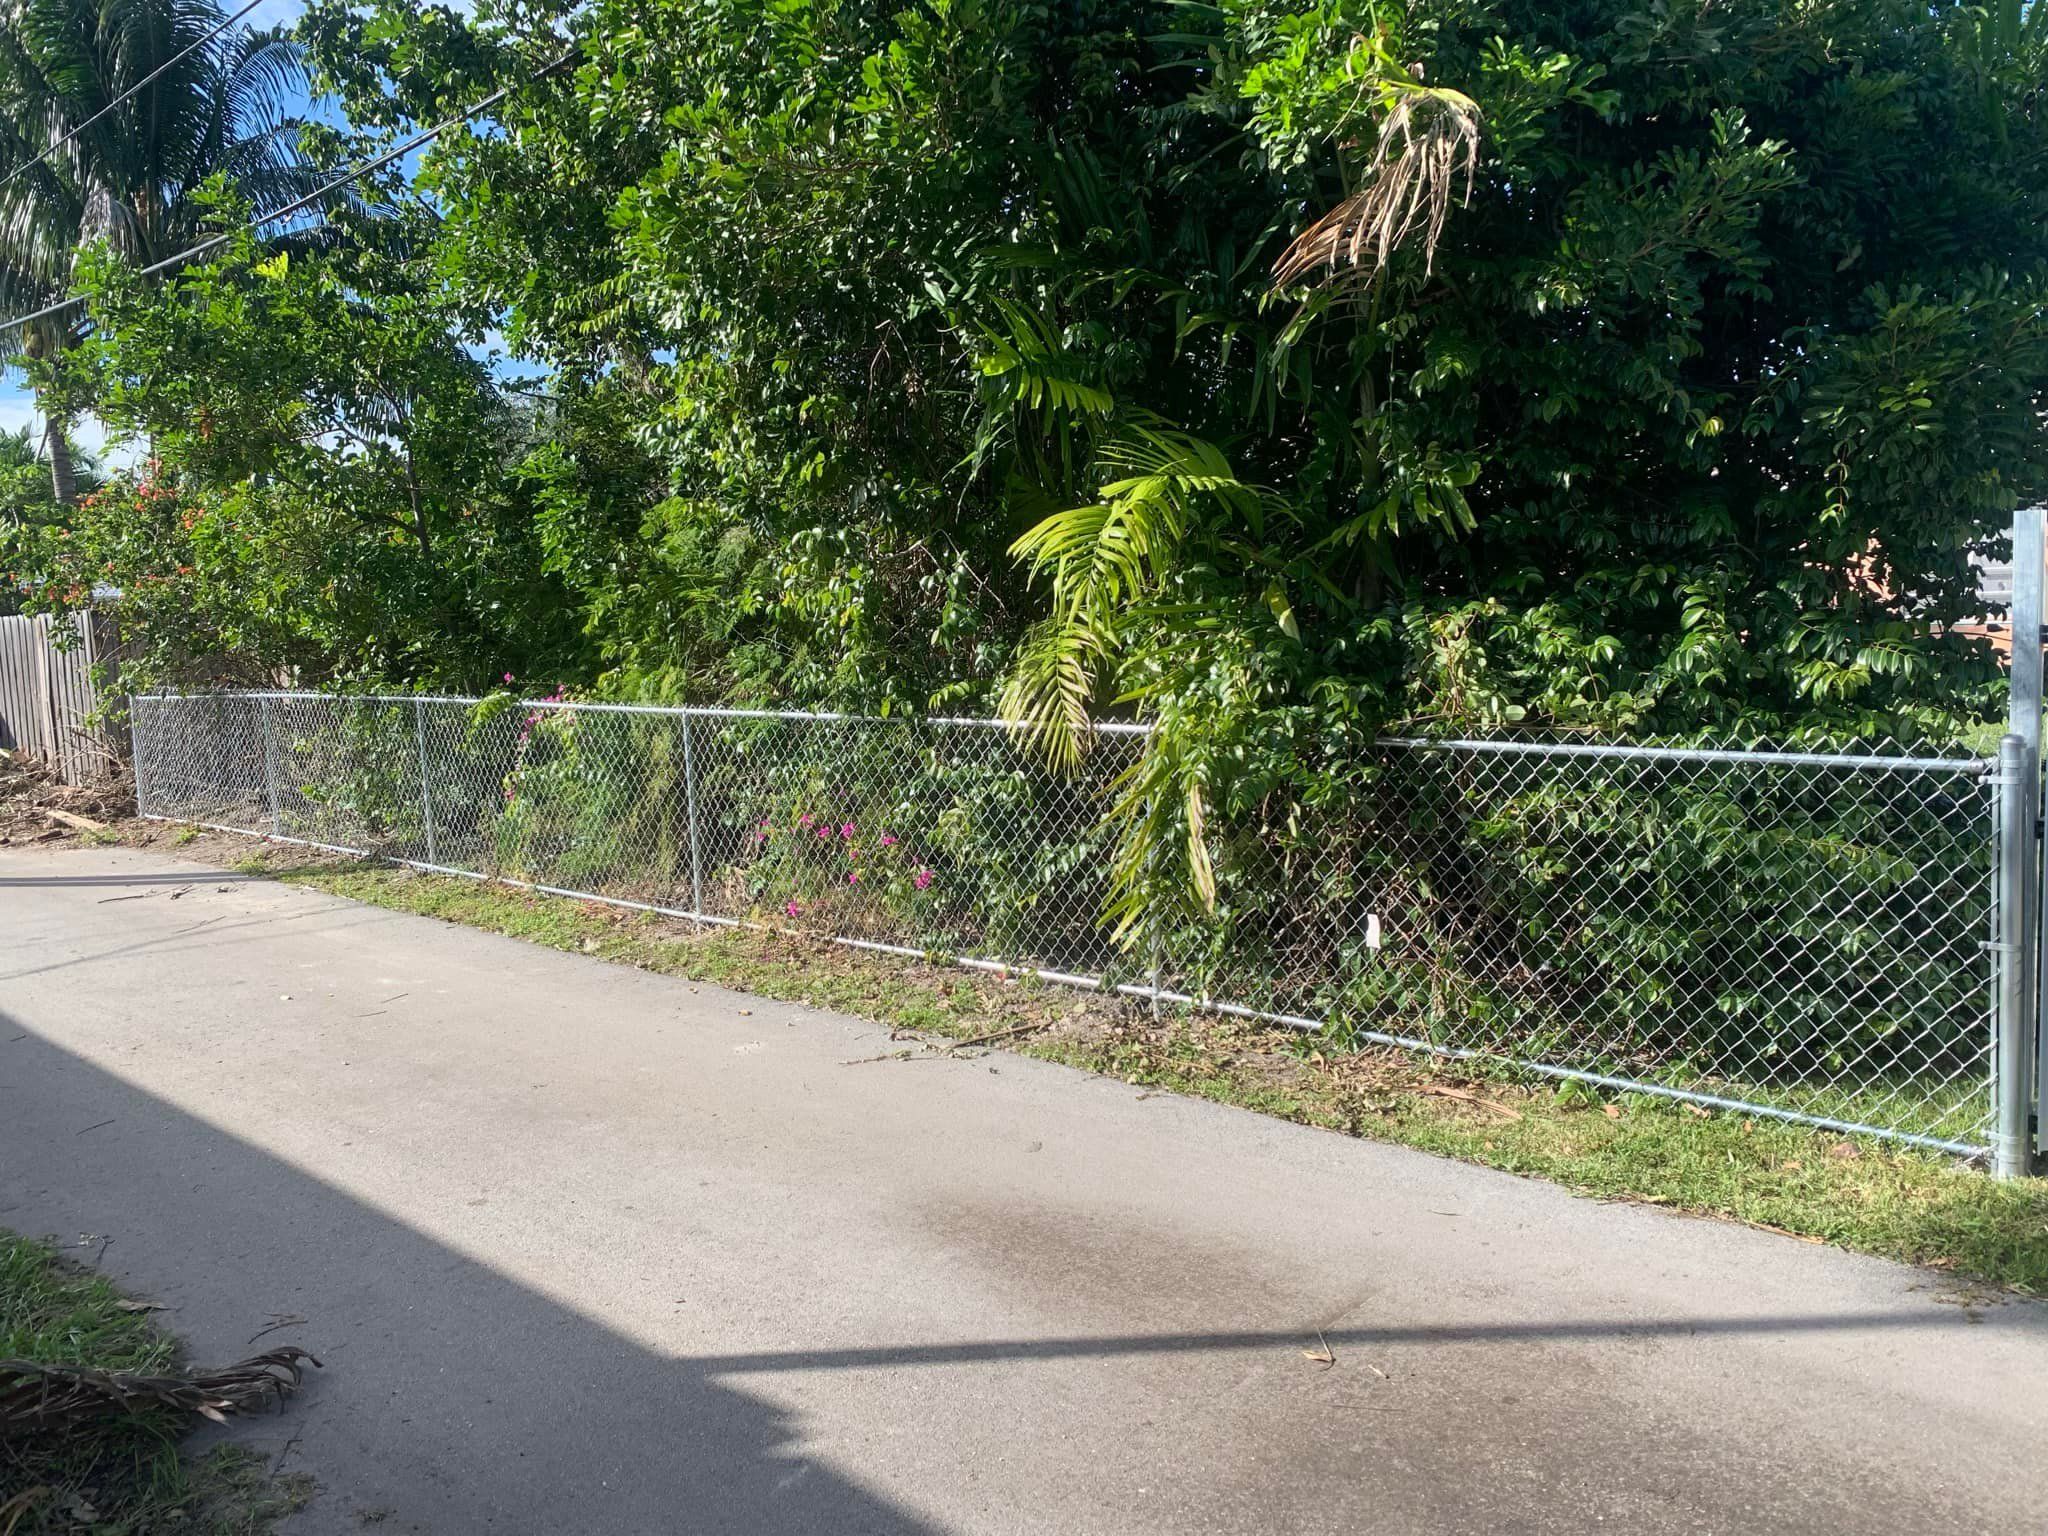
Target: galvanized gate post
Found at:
x=2012, y=1014
x=419, y=728
x=270, y=770
x=2029, y=571
x=690, y=812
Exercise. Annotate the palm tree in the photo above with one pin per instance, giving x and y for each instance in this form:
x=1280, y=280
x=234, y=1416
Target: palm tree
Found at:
x=129, y=177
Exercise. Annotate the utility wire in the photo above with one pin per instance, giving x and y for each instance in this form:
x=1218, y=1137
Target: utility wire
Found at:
x=147, y=80
x=298, y=204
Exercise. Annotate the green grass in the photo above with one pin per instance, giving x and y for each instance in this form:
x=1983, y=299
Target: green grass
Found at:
x=1863, y=1194
x=124, y=1476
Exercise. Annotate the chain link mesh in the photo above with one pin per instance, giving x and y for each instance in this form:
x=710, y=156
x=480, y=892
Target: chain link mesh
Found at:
x=1796, y=933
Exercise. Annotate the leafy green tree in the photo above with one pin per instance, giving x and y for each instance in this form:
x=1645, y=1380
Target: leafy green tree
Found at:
x=1328, y=365
x=73, y=172
x=336, y=487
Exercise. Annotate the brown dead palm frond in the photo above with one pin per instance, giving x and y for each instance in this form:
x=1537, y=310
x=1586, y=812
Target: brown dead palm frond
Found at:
x=37, y=1398
x=1428, y=138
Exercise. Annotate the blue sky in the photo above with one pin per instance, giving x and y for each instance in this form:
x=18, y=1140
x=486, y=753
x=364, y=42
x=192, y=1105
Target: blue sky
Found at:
x=17, y=405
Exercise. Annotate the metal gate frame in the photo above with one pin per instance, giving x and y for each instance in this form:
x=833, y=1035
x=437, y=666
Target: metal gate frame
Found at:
x=2021, y=938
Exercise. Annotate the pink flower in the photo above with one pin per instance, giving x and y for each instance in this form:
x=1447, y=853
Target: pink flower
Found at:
x=922, y=879
x=888, y=841
x=846, y=831
x=824, y=834
x=805, y=819
x=853, y=877
x=508, y=677
x=794, y=910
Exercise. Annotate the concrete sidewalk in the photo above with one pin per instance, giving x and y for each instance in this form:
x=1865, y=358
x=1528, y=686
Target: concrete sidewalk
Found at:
x=588, y=1250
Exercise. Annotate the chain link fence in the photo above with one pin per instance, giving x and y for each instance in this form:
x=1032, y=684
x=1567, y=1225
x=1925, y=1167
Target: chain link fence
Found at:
x=1797, y=935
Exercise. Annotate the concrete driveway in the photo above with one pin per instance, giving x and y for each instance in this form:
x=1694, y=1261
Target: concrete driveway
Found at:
x=588, y=1250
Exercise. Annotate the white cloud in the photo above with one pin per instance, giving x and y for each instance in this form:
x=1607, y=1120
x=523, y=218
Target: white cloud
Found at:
x=18, y=410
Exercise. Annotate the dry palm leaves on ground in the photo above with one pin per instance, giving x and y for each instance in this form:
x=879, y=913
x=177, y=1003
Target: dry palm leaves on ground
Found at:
x=38, y=1399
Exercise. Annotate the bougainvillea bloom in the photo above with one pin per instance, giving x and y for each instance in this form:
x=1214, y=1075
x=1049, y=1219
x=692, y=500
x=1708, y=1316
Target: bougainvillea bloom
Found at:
x=794, y=910
x=922, y=879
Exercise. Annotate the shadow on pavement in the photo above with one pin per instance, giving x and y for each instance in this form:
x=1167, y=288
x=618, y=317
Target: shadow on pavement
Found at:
x=453, y=1399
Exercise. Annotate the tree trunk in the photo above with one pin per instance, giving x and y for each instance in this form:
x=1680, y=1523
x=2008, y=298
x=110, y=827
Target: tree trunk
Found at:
x=63, y=477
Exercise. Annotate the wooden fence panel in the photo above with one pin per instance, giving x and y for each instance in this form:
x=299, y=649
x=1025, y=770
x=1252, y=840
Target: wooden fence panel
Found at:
x=47, y=694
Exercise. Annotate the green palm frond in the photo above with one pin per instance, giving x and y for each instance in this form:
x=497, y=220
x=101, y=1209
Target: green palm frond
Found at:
x=2002, y=31
x=1041, y=372
x=1105, y=562
x=1050, y=693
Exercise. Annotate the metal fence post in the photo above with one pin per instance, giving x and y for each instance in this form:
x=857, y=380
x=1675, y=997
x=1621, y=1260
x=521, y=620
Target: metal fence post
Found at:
x=270, y=769
x=2029, y=566
x=690, y=814
x=1154, y=900
x=419, y=727
x=135, y=755
x=2011, y=1015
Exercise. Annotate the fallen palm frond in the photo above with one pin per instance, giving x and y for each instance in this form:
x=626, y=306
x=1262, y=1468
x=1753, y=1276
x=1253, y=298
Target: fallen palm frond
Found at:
x=37, y=1398
x=1428, y=137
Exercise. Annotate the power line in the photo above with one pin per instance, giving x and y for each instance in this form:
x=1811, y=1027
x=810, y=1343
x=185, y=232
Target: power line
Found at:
x=298, y=204
x=146, y=81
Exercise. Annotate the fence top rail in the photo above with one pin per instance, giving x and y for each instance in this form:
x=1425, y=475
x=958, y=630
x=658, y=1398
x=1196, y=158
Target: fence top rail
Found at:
x=1858, y=762
x=1863, y=762
x=700, y=711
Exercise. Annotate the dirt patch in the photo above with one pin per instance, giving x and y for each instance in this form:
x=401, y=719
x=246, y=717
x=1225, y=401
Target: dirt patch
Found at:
x=36, y=808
